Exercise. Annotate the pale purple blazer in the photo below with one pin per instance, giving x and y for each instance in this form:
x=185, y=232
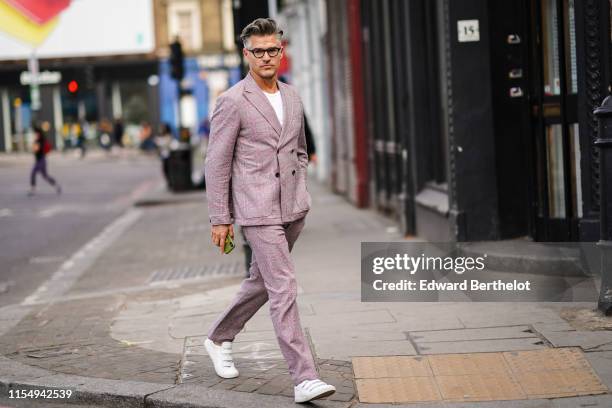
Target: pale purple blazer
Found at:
x=255, y=167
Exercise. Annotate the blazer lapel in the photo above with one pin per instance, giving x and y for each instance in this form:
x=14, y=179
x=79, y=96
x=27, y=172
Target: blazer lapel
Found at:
x=287, y=110
x=257, y=98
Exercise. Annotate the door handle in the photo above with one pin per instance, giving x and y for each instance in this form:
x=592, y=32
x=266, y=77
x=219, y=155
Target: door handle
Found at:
x=516, y=92
x=515, y=73
x=513, y=39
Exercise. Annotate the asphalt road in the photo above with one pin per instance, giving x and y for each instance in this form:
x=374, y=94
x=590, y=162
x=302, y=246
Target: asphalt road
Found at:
x=38, y=233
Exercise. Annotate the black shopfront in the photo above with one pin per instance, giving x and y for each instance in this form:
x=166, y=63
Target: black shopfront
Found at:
x=480, y=115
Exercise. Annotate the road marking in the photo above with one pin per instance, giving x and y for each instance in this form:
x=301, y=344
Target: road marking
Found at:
x=6, y=212
x=72, y=269
x=46, y=259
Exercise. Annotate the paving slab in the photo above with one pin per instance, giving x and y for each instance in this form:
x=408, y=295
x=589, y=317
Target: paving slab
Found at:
x=549, y=373
x=485, y=333
x=587, y=340
x=599, y=401
x=601, y=361
x=337, y=349
x=480, y=346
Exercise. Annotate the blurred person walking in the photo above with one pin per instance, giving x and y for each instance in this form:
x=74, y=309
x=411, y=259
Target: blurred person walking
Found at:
x=311, y=150
x=79, y=133
x=105, y=129
x=257, y=140
x=118, y=132
x=147, y=140
x=162, y=142
x=41, y=147
x=310, y=143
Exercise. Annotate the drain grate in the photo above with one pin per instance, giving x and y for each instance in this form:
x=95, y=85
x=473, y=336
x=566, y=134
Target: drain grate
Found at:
x=197, y=272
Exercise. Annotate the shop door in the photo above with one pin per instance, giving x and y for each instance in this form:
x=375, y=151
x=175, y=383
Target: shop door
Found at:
x=556, y=148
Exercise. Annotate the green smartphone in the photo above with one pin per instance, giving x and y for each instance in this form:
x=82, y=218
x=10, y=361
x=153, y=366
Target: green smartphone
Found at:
x=229, y=244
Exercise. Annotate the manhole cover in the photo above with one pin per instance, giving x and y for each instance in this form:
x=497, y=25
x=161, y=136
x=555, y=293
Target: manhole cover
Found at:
x=197, y=272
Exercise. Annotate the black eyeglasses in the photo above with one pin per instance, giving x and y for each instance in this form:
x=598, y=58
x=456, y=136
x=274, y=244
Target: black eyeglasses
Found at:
x=259, y=52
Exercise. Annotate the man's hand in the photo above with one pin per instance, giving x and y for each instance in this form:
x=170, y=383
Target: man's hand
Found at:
x=219, y=232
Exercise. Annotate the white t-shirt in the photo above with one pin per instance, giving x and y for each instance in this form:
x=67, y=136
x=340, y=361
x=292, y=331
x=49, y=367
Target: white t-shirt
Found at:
x=277, y=103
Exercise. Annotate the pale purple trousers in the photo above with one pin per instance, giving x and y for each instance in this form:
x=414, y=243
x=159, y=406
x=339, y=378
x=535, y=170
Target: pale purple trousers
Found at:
x=272, y=277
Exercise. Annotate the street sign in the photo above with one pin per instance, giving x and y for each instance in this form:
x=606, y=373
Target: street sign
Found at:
x=44, y=78
x=34, y=90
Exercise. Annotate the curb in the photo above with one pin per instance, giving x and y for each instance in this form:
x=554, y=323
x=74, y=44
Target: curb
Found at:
x=136, y=394
x=542, y=261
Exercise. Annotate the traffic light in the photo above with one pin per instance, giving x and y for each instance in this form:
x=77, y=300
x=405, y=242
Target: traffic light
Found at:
x=177, y=70
x=73, y=87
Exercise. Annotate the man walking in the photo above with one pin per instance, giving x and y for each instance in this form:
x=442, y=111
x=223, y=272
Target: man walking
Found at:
x=256, y=177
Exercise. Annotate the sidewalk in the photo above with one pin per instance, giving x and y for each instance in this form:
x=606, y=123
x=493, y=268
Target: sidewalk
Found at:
x=65, y=157
x=122, y=323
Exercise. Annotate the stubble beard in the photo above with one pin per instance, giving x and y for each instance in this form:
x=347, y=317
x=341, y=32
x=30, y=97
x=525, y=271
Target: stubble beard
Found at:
x=267, y=74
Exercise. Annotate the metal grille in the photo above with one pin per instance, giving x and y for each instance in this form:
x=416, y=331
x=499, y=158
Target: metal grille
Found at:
x=197, y=272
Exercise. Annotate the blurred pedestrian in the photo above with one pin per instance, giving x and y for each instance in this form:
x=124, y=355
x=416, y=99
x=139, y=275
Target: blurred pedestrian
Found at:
x=79, y=132
x=310, y=143
x=41, y=147
x=105, y=129
x=203, y=132
x=118, y=132
x=162, y=141
x=147, y=143
x=204, y=128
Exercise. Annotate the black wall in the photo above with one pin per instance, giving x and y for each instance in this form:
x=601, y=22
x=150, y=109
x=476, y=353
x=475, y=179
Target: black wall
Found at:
x=472, y=171
x=511, y=115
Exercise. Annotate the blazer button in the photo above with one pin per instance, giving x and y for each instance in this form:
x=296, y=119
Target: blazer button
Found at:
x=293, y=172
x=277, y=174
x=277, y=150
x=292, y=150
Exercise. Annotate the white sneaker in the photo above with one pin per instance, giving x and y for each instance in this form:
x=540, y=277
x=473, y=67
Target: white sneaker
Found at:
x=221, y=357
x=309, y=390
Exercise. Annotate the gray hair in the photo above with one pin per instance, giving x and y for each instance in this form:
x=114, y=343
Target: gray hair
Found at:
x=260, y=26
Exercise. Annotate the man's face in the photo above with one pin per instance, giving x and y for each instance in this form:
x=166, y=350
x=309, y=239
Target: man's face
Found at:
x=266, y=66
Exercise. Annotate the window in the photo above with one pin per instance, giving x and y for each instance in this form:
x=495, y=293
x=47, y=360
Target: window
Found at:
x=184, y=21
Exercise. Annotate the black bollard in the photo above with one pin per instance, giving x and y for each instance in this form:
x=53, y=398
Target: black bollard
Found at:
x=604, y=143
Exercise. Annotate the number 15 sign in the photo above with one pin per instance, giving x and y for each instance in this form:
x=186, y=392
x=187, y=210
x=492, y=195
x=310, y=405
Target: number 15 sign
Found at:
x=468, y=30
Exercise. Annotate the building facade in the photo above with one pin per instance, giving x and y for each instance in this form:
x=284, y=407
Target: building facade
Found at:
x=470, y=119
x=109, y=60
x=89, y=73
x=205, y=29
x=304, y=26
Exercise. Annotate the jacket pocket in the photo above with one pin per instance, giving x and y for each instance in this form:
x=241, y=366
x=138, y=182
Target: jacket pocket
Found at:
x=303, y=200
x=255, y=196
